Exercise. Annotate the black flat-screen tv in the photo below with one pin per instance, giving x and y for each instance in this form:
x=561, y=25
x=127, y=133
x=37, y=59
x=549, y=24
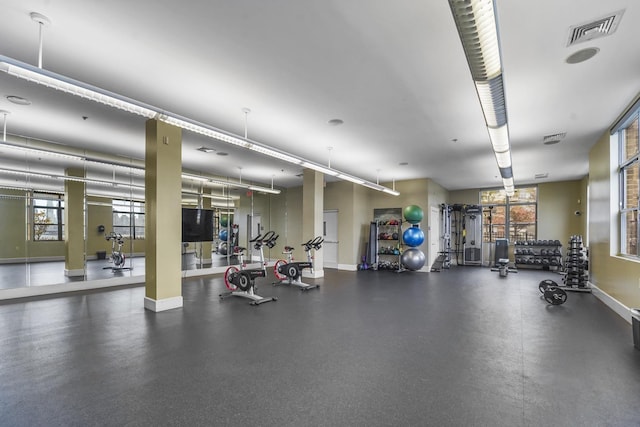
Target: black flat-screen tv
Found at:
x=197, y=225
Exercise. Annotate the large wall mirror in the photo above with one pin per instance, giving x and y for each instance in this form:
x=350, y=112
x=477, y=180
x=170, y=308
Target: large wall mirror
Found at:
x=102, y=206
x=72, y=198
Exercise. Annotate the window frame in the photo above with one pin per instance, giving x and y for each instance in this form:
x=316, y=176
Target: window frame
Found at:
x=627, y=162
x=134, y=209
x=507, y=205
x=37, y=197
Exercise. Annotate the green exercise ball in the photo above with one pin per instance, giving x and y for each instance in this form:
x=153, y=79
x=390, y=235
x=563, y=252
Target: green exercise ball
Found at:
x=413, y=214
x=224, y=220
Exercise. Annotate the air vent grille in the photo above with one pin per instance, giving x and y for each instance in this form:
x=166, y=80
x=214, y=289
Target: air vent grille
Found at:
x=541, y=175
x=600, y=27
x=553, y=139
x=206, y=149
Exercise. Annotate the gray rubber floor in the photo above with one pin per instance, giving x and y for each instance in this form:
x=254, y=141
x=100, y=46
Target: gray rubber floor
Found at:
x=459, y=348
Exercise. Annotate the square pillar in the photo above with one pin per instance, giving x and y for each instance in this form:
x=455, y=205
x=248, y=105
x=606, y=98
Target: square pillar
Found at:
x=163, y=216
x=206, y=248
x=313, y=215
x=74, y=223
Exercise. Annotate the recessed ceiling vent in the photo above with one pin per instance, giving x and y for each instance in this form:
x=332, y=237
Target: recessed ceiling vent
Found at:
x=541, y=175
x=553, y=139
x=206, y=149
x=601, y=27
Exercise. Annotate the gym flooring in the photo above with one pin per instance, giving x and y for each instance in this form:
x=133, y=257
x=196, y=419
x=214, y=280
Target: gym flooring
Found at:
x=463, y=347
x=52, y=272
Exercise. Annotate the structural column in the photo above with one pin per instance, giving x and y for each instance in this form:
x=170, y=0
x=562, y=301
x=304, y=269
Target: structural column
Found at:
x=313, y=215
x=163, y=216
x=74, y=223
x=206, y=247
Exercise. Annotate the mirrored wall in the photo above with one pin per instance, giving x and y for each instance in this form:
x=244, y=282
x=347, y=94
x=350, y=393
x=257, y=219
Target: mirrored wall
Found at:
x=69, y=219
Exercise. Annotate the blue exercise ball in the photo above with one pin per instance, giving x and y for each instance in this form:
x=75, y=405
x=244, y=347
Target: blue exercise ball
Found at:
x=413, y=259
x=413, y=236
x=223, y=235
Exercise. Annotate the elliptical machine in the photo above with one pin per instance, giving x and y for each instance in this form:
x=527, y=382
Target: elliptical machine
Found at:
x=289, y=272
x=241, y=282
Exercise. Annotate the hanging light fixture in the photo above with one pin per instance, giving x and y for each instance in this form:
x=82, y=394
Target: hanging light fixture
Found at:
x=476, y=23
x=84, y=90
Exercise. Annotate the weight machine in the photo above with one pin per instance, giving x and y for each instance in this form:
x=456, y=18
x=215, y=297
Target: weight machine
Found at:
x=461, y=236
x=472, y=235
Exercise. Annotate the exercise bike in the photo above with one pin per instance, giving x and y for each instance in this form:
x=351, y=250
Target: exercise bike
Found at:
x=241, y=281
x=116, y=257
x=289, y=272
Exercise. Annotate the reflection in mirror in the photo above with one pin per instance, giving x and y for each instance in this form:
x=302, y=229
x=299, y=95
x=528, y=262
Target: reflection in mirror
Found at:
x=212, y=246
x=115, y=221
x=13, y=244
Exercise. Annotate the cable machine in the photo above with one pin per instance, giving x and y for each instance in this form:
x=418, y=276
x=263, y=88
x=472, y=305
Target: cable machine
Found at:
x=472, y=235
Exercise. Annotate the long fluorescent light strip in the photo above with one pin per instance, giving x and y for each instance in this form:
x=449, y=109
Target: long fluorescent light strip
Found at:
x=476, y=24
x=70, y=178
x=40, y=152
x=84, y=90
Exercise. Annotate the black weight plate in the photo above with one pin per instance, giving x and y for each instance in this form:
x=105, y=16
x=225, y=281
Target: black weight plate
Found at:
x=546, y=284
x=555, y=296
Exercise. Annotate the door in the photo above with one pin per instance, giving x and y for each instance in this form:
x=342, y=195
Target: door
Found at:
x=330, y=234
x=434, y=235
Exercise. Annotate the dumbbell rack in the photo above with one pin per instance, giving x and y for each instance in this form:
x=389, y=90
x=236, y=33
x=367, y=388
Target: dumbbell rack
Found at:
x=544, y=254
x=575, y=277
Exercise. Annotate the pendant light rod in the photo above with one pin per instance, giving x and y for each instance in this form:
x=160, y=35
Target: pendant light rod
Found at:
x=246, y=112
x=42, y=21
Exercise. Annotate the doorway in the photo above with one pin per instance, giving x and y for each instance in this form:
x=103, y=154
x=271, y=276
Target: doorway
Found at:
x=330, y=234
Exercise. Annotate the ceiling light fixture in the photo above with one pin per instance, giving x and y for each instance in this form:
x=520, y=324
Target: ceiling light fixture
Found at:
x=476, y=24
x=582, y=55
x=70, y=178
x=18, y=100
x=39, y=152
x=4, y=113
x=84, y=90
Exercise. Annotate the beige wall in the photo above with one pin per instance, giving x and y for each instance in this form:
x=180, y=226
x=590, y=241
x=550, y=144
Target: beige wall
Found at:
x=13, y=230
x=293, y=225
x=13, y=233
x=355, y=205
x=617, y=276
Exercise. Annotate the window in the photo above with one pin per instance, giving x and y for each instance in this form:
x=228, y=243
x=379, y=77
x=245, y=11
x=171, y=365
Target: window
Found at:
x=514, y=217
x=128, y=218
x=47, y=216
x=629, y=185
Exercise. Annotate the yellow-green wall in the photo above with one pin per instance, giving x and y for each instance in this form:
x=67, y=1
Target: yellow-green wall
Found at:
x=13, y=231
x=617, y=276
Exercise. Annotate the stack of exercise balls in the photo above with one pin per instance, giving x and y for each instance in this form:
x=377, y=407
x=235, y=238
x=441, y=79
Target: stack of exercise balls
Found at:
x=413, y=258
x=223, y=235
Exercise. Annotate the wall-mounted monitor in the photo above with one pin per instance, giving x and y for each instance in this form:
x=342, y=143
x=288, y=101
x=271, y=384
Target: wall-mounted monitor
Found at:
x=197, y=225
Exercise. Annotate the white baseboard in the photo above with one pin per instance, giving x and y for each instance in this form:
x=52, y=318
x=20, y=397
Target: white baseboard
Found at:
x=74, y=273
x=315, y=275
x=163, y=304
x=615, y=305
x=348, y=267
x=60, y=288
